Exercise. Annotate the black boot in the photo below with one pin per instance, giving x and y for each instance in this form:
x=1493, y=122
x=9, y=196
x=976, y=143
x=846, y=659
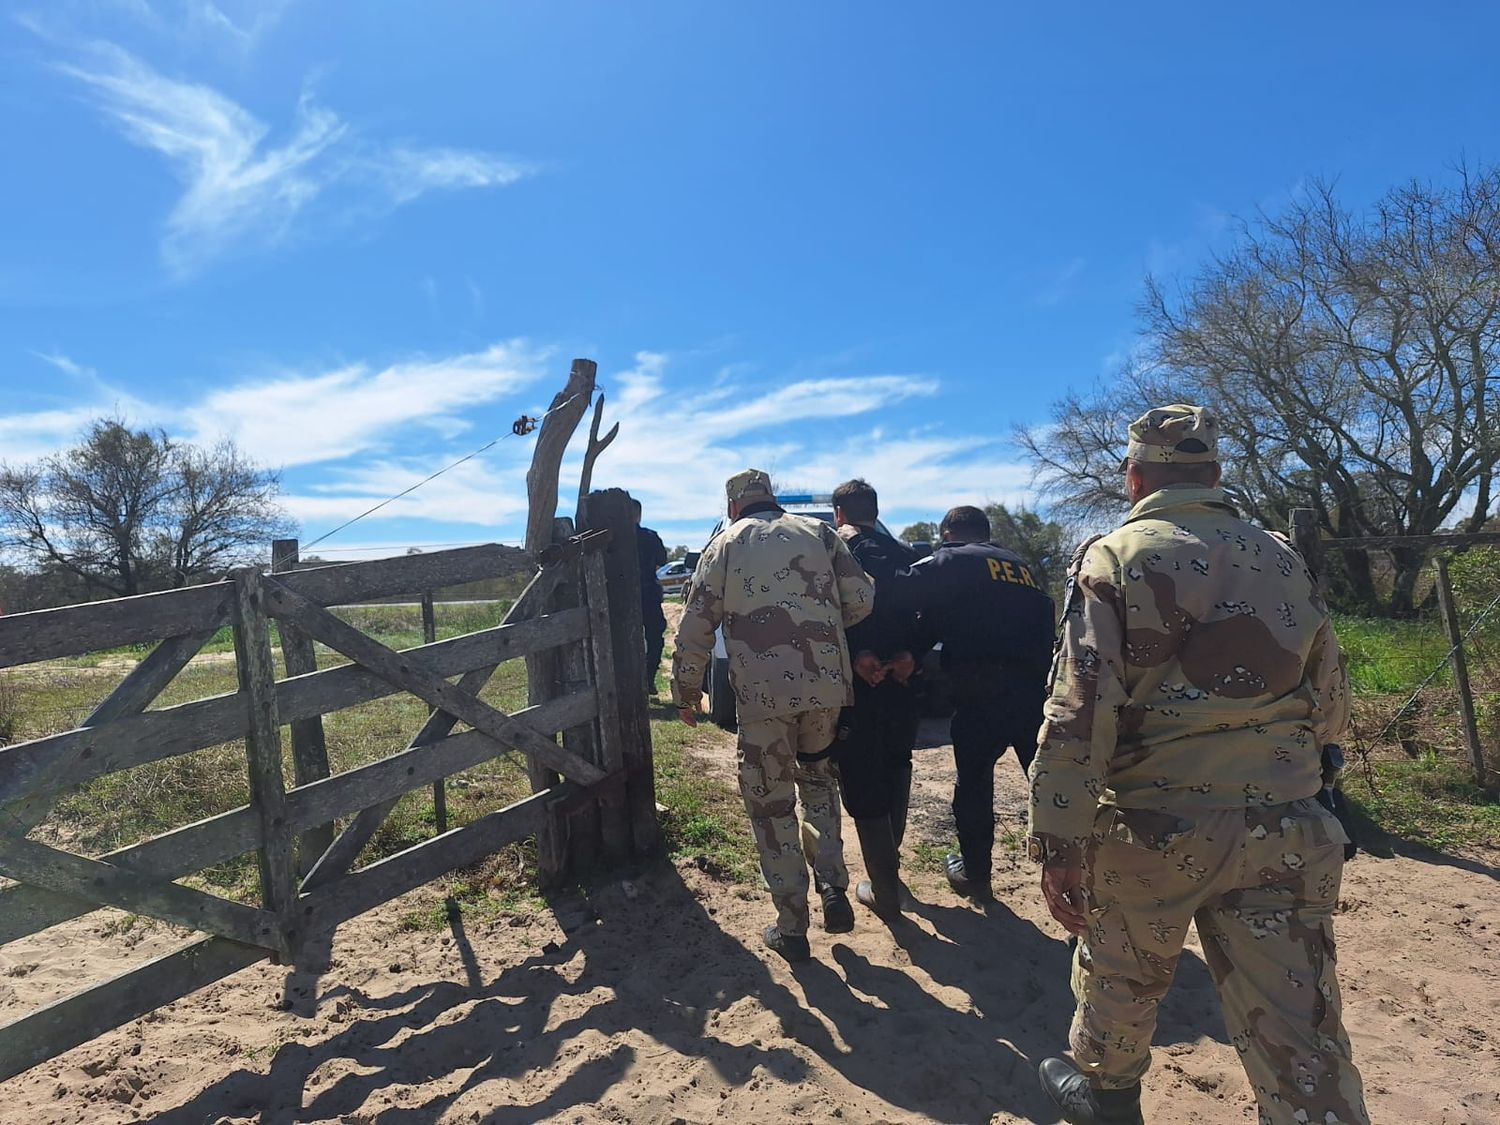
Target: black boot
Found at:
x=901, y=793
x=1083, y=1104
x=838, y=915
x=793, y=947
x=881, y=892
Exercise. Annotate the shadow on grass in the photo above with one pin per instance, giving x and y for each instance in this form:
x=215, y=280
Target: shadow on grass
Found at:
x=1374, y=839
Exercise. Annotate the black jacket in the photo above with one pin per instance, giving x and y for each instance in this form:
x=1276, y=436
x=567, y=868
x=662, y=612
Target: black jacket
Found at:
x=888, y=630
x=982, y=602
x=652, y=553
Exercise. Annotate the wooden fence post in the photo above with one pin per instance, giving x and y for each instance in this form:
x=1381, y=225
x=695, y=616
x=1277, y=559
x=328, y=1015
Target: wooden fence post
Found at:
x=440, y=786
x=257, y=678
x=612, y=510
x=309, y=747
x=1460, y=672
x=1307, y=540
x=614, y=818
x=544, y=670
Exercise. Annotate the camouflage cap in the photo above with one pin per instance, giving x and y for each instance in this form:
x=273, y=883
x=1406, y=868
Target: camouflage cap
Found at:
x=752, y=484
x=1177, y=434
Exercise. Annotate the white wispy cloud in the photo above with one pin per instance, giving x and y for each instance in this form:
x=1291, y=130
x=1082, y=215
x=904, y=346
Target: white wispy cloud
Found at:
x=242, y=188
x=299, y=419
x=354, y=435
x=67, y=365
x=238, y=26
x=675, y=450
x=479, y=493
x=29, y=437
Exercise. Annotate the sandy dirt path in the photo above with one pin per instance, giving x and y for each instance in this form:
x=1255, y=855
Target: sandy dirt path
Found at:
x=652, y=1002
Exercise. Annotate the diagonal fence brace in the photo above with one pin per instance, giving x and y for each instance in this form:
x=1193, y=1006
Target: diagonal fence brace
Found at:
x=413, y=675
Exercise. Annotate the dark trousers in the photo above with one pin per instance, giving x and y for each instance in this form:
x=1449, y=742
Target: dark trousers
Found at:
x=992, y=711
x=655, y=622
x=874, y=747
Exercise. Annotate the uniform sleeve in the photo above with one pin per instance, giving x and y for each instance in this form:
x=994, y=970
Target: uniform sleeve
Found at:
x=703, y=610
x=1329, y=679
x=856, y=591
x=1081, y=716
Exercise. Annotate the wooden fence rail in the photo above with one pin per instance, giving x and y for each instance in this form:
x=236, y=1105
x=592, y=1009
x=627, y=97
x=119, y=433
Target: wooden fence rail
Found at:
x=308, y=880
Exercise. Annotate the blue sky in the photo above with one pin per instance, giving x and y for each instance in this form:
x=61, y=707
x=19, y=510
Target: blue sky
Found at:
x=827, y=239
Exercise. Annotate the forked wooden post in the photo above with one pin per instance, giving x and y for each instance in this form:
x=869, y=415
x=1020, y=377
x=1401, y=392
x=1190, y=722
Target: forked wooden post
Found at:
x=257, y=678
x=309, y=746
x=612, y=510
x=1460, y=673
x=544, y=670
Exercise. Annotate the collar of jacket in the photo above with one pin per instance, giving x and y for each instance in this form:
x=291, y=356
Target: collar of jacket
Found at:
x=1177, y=497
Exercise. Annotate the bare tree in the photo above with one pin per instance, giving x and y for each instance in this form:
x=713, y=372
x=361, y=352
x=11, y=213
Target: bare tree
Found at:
x=223, y=506
x=127, y=511
x=1348, y=357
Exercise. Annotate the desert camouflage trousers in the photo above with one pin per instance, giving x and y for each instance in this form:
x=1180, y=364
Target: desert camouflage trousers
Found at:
x=1261, y=885
x=773, y=782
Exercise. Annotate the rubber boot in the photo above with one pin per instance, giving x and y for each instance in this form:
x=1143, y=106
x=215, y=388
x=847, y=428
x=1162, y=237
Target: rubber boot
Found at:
x=1083, y=1104
x=901, y=793
x=881, y=892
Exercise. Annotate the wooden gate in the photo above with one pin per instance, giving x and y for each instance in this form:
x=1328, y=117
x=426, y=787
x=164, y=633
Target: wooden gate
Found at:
x=306, y=882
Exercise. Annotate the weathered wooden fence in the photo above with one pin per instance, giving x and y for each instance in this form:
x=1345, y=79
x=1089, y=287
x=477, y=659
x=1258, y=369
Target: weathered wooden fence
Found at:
x=578, y=606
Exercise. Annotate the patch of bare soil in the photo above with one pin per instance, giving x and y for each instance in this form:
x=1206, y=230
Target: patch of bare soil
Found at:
x=652, y=1002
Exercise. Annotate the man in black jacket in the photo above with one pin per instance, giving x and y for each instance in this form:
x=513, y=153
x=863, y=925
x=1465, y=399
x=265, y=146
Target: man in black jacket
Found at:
x=877, y=734
x=653, y=554
x=996, y=623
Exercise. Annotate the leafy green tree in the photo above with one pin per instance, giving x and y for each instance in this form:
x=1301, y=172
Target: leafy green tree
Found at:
x=920, y=532
x=1043, y=544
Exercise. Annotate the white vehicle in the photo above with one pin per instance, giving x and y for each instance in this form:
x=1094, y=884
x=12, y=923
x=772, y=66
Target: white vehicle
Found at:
x=720, y=695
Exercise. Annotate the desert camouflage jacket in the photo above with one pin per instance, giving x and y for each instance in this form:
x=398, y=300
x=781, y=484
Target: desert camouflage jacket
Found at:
x=1196, y=668
x=785, y=588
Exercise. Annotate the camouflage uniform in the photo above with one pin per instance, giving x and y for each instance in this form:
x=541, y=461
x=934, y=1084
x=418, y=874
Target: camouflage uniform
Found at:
x=1196, y=678
x=784, y=587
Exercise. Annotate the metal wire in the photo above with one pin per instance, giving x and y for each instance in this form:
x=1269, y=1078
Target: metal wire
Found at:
x=1478, y=621
x=485, y=448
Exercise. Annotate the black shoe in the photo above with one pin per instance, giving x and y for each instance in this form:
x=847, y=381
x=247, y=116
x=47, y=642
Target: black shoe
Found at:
x=1082, y=1104
x=965, y=882
x=838, y=915
x=792, y=947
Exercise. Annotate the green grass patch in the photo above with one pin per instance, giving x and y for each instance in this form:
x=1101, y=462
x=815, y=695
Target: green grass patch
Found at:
x=1431, y=800
x=1386, y=656
x=931, y=857
x=705, y=821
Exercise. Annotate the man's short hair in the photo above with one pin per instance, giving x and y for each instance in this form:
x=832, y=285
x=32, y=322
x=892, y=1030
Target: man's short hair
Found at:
x=858, y=500
x=966, y=522
x=636, y=504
